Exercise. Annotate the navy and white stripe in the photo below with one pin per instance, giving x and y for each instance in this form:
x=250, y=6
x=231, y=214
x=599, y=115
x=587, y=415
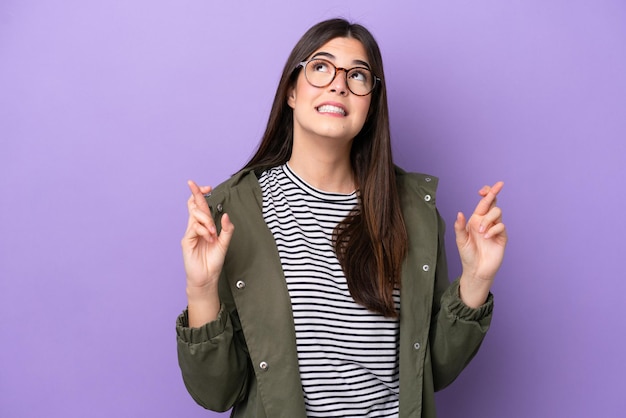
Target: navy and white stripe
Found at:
x=348, y=355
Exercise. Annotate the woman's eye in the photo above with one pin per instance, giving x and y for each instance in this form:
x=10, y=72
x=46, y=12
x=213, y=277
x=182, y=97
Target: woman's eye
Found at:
x=358, y=75
x=319, y=66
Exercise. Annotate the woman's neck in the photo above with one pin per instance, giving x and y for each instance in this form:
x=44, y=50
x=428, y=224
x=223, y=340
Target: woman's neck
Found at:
x=328, y=171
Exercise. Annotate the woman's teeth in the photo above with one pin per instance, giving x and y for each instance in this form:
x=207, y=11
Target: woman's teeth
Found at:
x=331, y=109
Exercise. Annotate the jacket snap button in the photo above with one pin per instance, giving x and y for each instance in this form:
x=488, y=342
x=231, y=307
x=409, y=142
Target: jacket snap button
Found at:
x=240, y=284
x=428, y=179
x=416, y=346
x=425, y=267
x=426, y=198
x=264, y=365
x=220, y=208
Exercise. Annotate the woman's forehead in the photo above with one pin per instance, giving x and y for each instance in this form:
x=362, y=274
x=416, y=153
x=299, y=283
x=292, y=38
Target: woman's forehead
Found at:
x=343, y=49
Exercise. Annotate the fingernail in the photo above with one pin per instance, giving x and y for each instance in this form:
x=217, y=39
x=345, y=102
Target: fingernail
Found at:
x=481, y=229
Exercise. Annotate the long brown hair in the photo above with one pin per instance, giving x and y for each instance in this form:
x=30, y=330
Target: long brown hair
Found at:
x=371, y=243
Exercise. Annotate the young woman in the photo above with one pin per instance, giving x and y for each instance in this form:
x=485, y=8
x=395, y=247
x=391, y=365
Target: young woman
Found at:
x=316, y=277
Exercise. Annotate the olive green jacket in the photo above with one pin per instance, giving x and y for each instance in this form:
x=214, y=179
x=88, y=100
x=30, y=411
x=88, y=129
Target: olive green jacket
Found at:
x=246, y=359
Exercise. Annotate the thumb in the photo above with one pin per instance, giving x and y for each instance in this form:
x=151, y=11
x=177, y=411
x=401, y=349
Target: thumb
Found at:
x=228, y=228
x=460, y=229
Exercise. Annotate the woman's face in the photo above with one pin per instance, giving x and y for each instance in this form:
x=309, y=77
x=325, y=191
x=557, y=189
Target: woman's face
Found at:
x=331, y=112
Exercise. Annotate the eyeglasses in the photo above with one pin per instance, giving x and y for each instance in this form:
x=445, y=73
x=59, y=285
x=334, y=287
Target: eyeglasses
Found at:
x=320, y=73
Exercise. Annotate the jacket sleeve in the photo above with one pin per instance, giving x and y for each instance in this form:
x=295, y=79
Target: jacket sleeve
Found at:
x=457, y=330
x=213, y=360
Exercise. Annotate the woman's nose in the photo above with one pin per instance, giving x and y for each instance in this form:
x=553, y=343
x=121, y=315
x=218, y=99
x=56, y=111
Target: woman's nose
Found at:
x=339, y=84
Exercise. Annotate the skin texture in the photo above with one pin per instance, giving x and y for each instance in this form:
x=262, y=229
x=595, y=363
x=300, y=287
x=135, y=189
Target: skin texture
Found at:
x=321, y=156
x=203, y=256
x=322, y=141
x=481, y=241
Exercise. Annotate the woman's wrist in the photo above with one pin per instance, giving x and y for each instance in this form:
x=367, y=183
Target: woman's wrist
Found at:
x=203, y=305
x=474, y=292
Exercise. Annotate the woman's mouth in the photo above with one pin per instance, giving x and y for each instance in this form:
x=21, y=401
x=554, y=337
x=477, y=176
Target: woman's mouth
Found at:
x=326, y=108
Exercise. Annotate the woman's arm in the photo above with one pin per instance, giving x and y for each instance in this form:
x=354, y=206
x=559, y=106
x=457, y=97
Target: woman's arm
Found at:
x=211, y=352
x=462, y=311
x=203, y=256
x=481, y=242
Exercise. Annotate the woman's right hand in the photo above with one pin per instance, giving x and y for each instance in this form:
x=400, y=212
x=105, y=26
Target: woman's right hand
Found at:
x=203, y=255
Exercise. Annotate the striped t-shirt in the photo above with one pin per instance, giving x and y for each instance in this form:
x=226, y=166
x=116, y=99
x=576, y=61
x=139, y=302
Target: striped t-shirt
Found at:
x=348, y=355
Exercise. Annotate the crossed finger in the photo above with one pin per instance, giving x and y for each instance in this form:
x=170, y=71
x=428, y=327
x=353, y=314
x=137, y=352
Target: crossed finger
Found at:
x=489, y=199
x=197, y=194
x=200, y=220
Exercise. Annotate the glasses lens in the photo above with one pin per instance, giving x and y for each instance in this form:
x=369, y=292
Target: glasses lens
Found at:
x=320, y=73
x=360, y=81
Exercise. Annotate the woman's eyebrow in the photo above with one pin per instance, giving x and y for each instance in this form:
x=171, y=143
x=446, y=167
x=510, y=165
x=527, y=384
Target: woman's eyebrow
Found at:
x=332, y=57
x=323, y=54
x=362, y=63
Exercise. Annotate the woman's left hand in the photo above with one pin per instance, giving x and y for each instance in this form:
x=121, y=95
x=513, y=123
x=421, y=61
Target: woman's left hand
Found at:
x=481, y=241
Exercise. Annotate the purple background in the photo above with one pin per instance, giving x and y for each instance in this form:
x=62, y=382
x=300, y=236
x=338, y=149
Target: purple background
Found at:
x=107, y=108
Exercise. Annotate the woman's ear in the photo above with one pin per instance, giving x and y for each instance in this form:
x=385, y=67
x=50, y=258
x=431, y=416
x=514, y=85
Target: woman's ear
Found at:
x=291, y=96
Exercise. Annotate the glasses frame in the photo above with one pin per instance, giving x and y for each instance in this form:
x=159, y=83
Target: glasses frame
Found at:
x=303, y=64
